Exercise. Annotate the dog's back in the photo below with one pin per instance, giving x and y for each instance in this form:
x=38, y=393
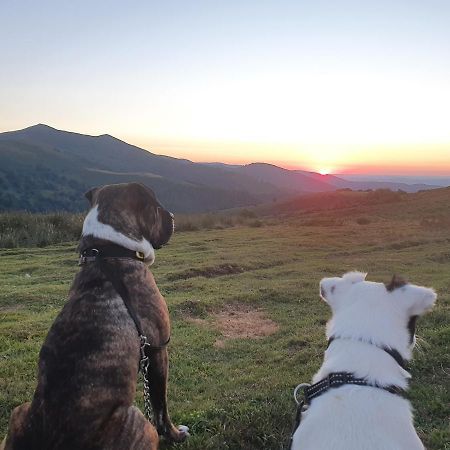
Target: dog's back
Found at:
x=87, y=369
x=87, y=372
x=357, y=418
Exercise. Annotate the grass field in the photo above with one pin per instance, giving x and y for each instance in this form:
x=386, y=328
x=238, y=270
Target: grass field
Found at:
x=248, y=324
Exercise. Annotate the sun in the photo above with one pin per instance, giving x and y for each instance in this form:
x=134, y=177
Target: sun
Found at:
x=325, y=171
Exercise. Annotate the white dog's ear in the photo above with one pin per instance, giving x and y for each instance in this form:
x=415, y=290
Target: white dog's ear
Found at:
x=419, y=299
x=354, y=277
x=333, y=290
x=415, y=299
x=328, y=289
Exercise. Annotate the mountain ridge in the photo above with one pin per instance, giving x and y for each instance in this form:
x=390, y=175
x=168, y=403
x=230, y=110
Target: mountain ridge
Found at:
x=60, y=165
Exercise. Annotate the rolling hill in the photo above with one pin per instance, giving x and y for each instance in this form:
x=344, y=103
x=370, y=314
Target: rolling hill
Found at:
x=45, y=169
x=244, y=305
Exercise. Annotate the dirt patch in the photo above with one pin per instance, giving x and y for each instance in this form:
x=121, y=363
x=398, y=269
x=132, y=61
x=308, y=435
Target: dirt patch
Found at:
x=243, y=322
x=10, y=309
x=404, y=244
x=237, y=321
x=207, y=272
x=442, y=258
x=225, y=269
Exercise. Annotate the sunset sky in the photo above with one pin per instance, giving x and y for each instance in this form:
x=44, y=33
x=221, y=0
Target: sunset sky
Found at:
x=331, y=86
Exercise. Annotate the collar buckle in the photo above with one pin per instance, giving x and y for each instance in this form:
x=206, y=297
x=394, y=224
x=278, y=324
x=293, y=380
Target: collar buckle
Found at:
x=88, y=255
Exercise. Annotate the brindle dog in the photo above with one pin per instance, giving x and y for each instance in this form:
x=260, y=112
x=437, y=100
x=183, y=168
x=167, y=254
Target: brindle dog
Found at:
x=89, y=361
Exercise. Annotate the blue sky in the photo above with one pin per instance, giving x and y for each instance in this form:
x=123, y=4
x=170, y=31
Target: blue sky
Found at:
x=324, y=84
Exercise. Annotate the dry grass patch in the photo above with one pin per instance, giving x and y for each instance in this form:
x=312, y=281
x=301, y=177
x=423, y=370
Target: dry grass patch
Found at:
x=239, y=321
x=10, y=308
x=207, y=272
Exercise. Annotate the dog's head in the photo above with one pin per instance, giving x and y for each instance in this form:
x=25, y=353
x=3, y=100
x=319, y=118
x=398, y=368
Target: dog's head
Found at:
x=130, y=215
x=383, y=314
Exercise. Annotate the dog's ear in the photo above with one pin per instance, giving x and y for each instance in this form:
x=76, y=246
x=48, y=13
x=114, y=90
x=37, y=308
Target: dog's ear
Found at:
x=395, y=283
x=90, y=195
x=354, y=277
x=156, y=223
x=416, y=299
x=334, y=290
x=328, y=289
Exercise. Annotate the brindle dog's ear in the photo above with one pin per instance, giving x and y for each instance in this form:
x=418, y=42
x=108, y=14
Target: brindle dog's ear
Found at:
x=91, y=194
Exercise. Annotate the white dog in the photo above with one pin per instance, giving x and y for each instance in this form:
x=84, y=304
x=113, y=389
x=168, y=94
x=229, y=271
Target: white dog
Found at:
x=357, y=405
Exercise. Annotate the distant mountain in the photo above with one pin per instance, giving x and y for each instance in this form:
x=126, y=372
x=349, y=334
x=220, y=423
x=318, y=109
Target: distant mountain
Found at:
x=314, y=182
x=342, y=183
x=44, y=169
x=433, y=180
x=283, y=178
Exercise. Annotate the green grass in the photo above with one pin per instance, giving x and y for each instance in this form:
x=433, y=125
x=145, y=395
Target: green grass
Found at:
x=24, y=229
x=239, y=396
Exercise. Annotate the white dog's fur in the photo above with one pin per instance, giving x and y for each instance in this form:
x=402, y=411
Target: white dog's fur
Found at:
x=101, y=230
x=366, y=318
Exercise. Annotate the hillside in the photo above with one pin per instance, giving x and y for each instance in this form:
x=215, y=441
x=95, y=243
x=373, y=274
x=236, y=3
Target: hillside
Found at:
x=247, y=321
x=42, y=169
x=432, y=206
x=45, y=169
x=430, y=209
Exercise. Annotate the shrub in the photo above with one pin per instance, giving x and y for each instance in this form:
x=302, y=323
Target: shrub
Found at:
x=24, y=229
x=385, y=196
x=255, y=224
x=247, y=213
x=323, y=222
x=363, y=220
x=438, y=222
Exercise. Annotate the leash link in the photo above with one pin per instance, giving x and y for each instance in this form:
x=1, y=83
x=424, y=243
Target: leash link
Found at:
x=144, y=364
x=302, y=386
x=98, y=255
x=301, y=408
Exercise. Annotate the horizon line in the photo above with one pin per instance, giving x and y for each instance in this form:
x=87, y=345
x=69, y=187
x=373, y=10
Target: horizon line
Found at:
x=391, y=170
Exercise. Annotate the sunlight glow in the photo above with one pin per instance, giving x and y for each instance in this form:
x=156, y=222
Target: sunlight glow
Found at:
x=313, y=120
x=298, y=84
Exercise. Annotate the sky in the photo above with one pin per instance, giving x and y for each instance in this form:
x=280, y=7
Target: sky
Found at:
x=332, y=86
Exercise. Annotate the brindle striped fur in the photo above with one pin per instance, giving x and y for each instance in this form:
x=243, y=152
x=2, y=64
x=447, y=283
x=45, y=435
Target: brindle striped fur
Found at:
x=88, y=367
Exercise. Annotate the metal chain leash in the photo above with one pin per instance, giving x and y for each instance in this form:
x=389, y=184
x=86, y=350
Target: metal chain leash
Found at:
x=119, y=286
x=144, y=364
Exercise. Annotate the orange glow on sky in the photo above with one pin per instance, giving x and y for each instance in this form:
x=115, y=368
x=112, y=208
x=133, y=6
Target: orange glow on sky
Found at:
x=334, y=86
x=407, y=159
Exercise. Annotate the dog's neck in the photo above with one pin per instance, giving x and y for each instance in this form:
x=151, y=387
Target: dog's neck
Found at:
x=96, y=229
x=364, y=360
x=390, y=351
